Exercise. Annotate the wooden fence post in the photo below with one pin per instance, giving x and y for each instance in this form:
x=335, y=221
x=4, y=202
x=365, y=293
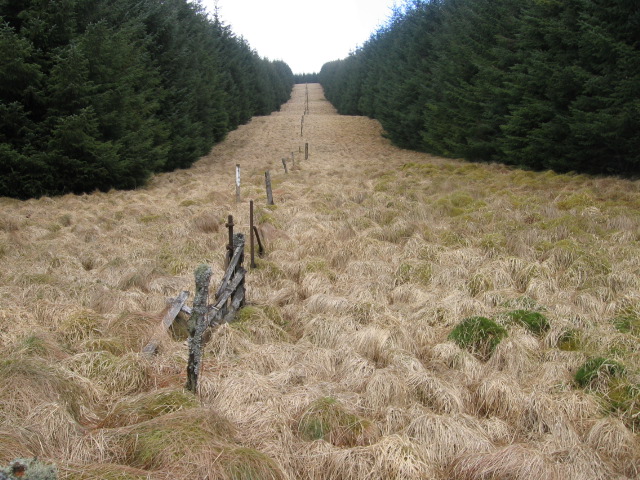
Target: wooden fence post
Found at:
x=284, y=164
x=251, y=237
x=229, y=225
x=306, y=151
x=237, y=183
x=267, y=179
x=198, y=323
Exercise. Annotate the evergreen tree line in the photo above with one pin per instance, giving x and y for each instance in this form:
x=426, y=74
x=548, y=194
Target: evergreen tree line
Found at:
x=542, y=84
x=306, y=77
x=100, y=94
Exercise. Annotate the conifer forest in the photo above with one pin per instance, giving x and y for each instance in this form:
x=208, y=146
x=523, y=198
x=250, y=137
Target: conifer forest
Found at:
x=541, y=84
x=100, y=94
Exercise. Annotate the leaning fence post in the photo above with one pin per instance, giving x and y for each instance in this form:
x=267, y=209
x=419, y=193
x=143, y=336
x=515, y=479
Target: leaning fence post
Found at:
x=237, y=183
x=267, y=179
x=251, y=236
x=197, y=325
x=229, y=225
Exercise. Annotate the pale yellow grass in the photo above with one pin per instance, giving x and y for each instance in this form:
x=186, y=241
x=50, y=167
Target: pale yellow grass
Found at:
x=341, y=367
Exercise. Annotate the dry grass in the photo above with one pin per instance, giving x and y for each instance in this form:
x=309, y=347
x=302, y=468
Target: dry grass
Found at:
x=340, y=367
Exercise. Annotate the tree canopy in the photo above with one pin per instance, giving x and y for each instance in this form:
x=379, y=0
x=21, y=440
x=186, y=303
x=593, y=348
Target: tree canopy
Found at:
x=542, y=84
x=101, y=94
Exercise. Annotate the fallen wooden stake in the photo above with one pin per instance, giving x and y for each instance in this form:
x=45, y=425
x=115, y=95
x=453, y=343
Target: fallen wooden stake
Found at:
x=177, y=305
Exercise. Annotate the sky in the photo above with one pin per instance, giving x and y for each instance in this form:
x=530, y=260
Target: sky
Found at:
x=304, y=33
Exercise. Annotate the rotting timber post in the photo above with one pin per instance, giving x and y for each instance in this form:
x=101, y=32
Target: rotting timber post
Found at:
x=229, y=298
x=198, y=323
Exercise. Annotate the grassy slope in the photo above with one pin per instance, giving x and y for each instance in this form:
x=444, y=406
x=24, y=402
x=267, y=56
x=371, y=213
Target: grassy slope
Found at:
x=341, y=367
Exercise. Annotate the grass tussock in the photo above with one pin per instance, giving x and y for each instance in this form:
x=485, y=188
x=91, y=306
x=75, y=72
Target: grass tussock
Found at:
x=479, y=335
x=147, y=406
x=327, y=419
x=27, y=382
x=101, y=471
x=119, y=375
x=514, y=461
x=176, y=438
x=412, y=317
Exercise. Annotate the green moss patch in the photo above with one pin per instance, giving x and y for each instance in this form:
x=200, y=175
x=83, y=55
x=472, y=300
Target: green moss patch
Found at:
x=627, y=324
x=623, y=398
x=478, y=335
x=596, y=370
x=535, y=322
x=570, y=340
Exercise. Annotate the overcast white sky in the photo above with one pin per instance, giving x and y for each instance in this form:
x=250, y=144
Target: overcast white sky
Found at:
x=304, y=33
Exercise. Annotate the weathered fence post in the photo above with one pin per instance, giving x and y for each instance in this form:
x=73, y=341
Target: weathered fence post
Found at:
x=198, y=323
x=301, y=125
x=284, y=164
x=237, y=183
x=267, y=179
x=229, y=225
x=306, y=151
x=251, y=236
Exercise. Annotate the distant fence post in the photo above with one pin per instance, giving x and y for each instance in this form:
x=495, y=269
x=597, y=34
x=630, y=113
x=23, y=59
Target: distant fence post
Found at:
x=306, y=105
x=237, y=183
x=267, y=179
x=284, y=164
x=306, y=151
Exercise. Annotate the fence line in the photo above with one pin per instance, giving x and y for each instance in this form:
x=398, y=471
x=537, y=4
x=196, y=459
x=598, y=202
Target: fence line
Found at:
x=230, y=295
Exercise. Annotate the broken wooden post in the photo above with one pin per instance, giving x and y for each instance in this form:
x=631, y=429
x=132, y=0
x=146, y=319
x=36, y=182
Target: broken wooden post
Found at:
x=237, y=183
x=229, y=225
x=267, y=179
x=198, y=323
x=284, y=164
x=177, y=304
x=306, y=151
x=252, y=234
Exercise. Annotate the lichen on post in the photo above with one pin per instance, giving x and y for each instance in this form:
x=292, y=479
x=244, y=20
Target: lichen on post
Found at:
x=197, y=325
